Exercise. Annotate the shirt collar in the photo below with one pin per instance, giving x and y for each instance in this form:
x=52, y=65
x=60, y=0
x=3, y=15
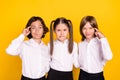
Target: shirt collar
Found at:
x=92, y=40
x=34, y=43
x=65, y=42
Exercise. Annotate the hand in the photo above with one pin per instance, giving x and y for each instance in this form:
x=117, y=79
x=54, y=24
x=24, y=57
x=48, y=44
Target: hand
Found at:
x=98, y=33
x=26, y=31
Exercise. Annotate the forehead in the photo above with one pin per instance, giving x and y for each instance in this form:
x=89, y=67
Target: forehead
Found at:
x=87, y=25
x=36, y=23
x=61, y=26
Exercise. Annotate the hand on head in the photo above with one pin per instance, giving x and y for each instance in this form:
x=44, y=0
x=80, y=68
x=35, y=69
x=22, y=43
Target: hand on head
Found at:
x=26, y=31
x=98, y=33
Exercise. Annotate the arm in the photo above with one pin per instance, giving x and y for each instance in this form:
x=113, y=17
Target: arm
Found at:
x=105, y=48
x=107, y=53
x=14, y=48
x=75, y=55
x=48, y=56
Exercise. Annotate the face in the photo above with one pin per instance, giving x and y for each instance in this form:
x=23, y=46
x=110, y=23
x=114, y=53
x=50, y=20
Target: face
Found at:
x=36, y=30
x=88, y=31
x=61, y=32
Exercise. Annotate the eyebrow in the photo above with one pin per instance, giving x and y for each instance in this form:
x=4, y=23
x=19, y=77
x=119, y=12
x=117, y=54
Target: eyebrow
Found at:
x=35, y=26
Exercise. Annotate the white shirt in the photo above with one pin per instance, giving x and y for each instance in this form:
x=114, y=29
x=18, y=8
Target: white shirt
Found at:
x=61, y=59
x=94, y=54
x=35, y=57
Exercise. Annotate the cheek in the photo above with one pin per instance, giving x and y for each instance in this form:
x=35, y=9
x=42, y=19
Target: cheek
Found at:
x=83, y=31
x=67, y=33
x=92, y=31
x=41, y=31
x=32, y=31
x=57, y=33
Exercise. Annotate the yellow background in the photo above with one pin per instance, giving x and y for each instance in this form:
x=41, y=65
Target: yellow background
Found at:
x=14, y=15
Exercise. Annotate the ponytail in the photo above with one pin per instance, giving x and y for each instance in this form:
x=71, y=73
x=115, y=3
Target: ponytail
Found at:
x=53, y=26
x=70, y=45
x=51, y=38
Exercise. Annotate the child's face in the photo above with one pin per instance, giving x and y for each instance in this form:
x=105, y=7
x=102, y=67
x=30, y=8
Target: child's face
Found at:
x=61, y=32
x=88, y=31
x=36, y=30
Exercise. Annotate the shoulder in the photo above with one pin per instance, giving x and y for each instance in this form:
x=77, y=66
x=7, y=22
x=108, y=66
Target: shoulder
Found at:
x=26, y=42
x=98, y=41
x=48, y=44
x=103, y=39
x=43, y=44
x=75, y=43
x=81, y=43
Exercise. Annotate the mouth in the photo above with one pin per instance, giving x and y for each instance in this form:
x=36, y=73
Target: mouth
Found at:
x=61, y=36
x=87, y=34
x=37, y=34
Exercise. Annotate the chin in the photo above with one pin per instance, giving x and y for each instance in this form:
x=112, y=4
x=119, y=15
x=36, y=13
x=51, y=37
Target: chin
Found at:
x=37, y=37
x=89, y=37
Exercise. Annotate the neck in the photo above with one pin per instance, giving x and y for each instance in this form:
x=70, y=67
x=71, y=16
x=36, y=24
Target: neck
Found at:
x=88, y=40
x=62, y=41
x=38, y=40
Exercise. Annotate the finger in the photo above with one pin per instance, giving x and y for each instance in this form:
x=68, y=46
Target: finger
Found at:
x=29, y=27
x=28, y=33
x=96, y=29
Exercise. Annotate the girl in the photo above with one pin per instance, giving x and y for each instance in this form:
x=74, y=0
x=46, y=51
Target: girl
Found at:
x=94, y=50
x=33, y=52
x=63, y=51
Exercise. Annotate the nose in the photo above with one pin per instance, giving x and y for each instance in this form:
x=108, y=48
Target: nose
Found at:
x=37, y=30
x=87, y=30
x=62, y=32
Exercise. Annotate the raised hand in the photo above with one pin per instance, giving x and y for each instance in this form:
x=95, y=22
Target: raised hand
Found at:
x=26, y=31
x=98, y=33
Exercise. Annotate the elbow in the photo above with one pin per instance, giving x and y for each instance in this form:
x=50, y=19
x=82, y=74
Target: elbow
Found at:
x=76, y=65
x=8, y=51
x=109, y=57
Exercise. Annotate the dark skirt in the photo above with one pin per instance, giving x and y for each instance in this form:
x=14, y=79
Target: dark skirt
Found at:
x=59, y=75
x=90, y=76
x=26, y=78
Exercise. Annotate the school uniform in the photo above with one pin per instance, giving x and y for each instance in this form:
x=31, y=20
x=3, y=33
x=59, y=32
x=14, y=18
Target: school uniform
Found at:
x=62, y=61
x=92, y=58
x=35, y=57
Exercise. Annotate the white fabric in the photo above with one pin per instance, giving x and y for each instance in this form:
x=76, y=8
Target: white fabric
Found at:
x=35, y=57
x=62, y=60
x=94, y=54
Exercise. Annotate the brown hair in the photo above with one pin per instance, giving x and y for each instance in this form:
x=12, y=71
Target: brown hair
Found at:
x=92, y=22
x=33, y=19
x=53, y=26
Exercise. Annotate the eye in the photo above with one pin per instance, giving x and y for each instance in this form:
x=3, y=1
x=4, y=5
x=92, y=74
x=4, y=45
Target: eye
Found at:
x=40, y=27
x=91, y=28
x=65, y=29
x=58, y=29
x=83, y=28
x=32, y=27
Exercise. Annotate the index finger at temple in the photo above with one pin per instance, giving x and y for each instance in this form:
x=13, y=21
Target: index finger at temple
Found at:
x=29, y=27
x=96, y=29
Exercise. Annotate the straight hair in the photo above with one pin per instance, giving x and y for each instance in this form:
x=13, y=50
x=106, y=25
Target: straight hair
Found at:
x=83, y=22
